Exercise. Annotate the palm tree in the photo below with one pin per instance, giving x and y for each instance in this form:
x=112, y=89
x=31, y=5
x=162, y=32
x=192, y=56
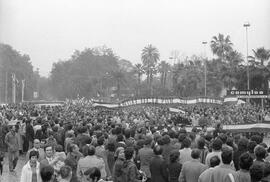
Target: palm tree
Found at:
x=163, y=69
x=118, y=76
x=150, y=56
x=261, y=54
x=229, y=68
x=221, y=46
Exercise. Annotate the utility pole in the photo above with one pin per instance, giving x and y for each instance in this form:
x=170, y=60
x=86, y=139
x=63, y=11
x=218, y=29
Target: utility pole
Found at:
x=246, y=25
x=205, y=69
x=23, y=84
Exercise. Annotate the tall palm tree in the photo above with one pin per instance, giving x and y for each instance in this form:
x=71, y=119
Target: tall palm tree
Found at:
x=221, y=46
x=150, y=56
x=261, y=54
x=163, y=69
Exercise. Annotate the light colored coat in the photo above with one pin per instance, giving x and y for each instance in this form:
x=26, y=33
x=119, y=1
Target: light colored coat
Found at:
x=89, y=162
x=191, y=171
x=26, y=175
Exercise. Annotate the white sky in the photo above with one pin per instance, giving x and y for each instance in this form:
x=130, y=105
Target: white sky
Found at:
x=49, y=30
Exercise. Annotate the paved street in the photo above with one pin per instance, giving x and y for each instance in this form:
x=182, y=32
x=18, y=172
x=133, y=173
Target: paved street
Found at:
x=6, y=176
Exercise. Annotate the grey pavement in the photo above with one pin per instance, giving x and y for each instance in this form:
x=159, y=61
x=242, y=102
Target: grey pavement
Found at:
x=14, y=177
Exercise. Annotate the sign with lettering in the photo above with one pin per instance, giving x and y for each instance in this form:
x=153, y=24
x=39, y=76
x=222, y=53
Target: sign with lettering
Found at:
x=248, y=93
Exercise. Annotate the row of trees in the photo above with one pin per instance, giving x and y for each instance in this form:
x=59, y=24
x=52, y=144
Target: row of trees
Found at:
x=98, y=72
x=13, y=62
x=186, y=78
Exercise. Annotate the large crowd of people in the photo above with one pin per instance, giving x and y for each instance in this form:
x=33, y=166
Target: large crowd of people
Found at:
x=76, y=142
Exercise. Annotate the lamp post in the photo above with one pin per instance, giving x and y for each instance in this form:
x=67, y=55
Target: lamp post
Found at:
x=204, y=43
x=246, y=25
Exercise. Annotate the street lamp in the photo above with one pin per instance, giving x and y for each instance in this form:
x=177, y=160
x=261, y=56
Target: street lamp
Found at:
x=246, y=25
x=204, y=43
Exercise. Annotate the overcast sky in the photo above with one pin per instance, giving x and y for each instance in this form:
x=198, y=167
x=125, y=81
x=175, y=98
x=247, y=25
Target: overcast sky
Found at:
x=49, y=30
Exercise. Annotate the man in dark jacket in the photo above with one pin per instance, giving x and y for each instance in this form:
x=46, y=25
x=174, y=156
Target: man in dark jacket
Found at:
x=29, y=134
x=130, y=171
x=158, y=167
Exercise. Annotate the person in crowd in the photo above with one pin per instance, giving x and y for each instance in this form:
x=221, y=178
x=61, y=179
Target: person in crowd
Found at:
x=93, y=175
x=31, y=170
x=118, y=165
x=206, y=175
x=69, y=140
x=19, y=133
x=245, y=162
x=110, y=152
x=90, y=160
x=72, y=159
x=224, y=172
x=185, y=153
x=256, y=172
x=174, y=167
x=158, y=166
x=65, y=174
x=13, y=148
x=120, y=141
x=266, y=172
x=61, y=155
x=130, y=171
x=49, y=158
x=251, y=147
x=42, y=134
x=129, y=141
x=202, y=148
x=242, y=148
x=37, y=148
x=47, y=174
x=216, y=151
x=29, y=134
x=192, y=169
x=167, y=147
x=260, y=154
x=83, y=137
x=145, y=155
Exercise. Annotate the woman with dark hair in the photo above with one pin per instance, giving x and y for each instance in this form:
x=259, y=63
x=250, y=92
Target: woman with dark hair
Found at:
x=30, y=171
x=94, y=175
x=174, y=166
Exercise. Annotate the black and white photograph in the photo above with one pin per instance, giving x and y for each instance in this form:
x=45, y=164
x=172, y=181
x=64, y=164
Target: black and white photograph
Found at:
x=134, y=91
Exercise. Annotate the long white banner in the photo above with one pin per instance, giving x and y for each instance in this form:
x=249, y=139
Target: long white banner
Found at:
x=131, y=102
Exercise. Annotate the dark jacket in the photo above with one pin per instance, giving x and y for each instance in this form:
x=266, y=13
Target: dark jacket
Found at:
x=236, y=156
x=29, y=133
x=158, y=169
x=130, y=172
x=117, y=170
x=174, y=170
